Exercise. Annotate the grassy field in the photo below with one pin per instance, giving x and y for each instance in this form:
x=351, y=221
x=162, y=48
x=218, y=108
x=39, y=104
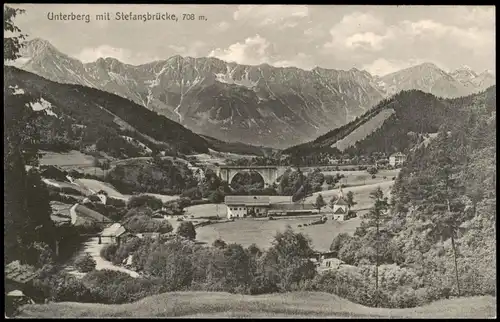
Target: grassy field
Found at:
x=358, y=178
x=297, y=304
x=261, y=232
x=361, y=194
x=95, y=185
x=71, y=158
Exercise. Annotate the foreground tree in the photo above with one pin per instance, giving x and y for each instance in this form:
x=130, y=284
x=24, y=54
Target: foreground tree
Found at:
x=186, y=229
x=350, y=200
x=320, y=203
x=377, y=218
x=332, y=201
x=26, y=203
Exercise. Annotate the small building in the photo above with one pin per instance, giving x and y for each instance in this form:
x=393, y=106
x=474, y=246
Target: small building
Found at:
x=243, y=206
x=115, y=232
x=326, y=261
x=340, y=209
x=103, y=196
x=397, y=159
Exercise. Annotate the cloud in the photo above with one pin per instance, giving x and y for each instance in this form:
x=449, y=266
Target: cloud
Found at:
x=301, y=60
x=382, y=67
x=262, y=15
x=258, y=50
x=482, y=17
x=469, y=37
x=222, y=26
x=253, y=51
x=88, y=55
x=361, y=37
x=196, y=49
x=356, y=30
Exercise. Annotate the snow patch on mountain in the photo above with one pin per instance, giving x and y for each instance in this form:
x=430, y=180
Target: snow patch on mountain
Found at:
x=42, y=105
x=228, y=78
x=17, y=90
x=137, y=143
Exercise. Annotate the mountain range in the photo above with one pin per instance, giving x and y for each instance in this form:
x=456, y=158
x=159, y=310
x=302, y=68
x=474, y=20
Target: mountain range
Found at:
x=259, y=105
x=77, y=117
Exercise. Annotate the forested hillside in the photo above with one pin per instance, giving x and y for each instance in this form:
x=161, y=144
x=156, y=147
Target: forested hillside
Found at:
x=416, y=114
x=443, y=206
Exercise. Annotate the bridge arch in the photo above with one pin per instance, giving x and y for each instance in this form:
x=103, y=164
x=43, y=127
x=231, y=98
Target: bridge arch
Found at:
x=269, y=174
x=235, y=173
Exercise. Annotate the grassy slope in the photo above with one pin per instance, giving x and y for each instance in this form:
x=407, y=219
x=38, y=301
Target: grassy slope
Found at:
x=303, y=304
x=363, y=130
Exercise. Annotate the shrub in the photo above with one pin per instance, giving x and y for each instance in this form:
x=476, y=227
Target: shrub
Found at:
x=145, y=224
x=374, y=176
x=85, y=263
x=144, y=200
x=186, y=229
x=192, y=193
x=108, y=252
x=72, y=290
x=219, y=243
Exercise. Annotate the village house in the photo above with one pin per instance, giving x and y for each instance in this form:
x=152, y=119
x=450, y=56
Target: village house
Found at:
x=340, y=208
x=397, y=159
x=243, y=206
x=326, y=261
x=114, y=233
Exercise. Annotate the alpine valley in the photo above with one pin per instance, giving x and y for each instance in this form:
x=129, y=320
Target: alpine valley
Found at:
x=258, y=105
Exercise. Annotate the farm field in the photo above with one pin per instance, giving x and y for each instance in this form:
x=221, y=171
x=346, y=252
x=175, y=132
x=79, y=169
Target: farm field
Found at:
x=358, y=178
x=71, y=160
x=207, y=210
x=295, y=304
x=261, y=232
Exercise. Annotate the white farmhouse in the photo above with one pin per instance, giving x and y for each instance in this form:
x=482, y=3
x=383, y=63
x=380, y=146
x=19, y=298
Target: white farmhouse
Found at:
x=397, y=159
x=242, y=206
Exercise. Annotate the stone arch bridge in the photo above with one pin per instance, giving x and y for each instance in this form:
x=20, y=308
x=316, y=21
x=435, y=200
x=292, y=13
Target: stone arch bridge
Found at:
x=269, y=174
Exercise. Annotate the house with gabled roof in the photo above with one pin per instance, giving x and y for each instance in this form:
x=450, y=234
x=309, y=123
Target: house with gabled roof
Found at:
x=241, y=206
x=340, y=208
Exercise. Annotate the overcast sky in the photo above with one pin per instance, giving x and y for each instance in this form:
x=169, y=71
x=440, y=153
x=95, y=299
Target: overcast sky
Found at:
x=379, y=39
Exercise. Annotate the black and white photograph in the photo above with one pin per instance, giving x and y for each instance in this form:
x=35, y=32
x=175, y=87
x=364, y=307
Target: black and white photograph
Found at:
x=249, y=161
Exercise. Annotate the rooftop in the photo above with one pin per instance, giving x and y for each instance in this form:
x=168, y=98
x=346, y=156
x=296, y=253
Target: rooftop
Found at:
x=292, y=206
x=19, y=273
x=397, y=154
x=247, y=200
x=88, y=213
x=115, y=230
x=341, y=202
